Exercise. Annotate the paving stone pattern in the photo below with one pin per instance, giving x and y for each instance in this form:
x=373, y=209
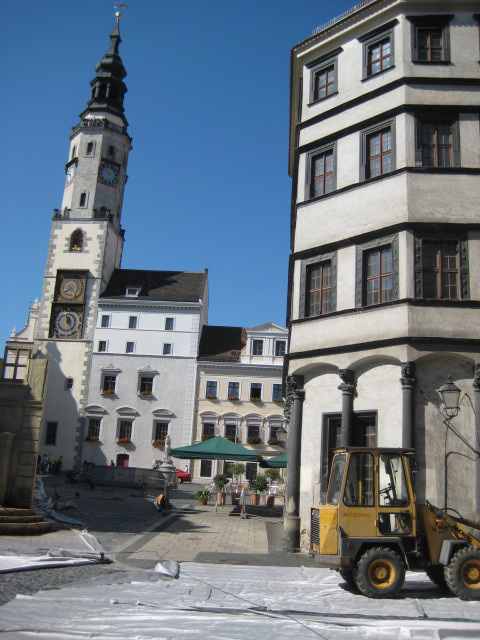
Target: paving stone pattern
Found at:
x=128, y=526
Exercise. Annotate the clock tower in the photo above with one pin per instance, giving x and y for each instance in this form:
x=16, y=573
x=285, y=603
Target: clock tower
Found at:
x=86, y=244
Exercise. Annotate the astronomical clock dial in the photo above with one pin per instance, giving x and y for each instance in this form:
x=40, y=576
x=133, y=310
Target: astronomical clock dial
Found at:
x=71, y=288
x=67, y=323
x=108, y=174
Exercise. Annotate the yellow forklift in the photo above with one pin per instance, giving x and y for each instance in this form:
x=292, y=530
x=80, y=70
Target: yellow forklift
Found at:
x=371, y=529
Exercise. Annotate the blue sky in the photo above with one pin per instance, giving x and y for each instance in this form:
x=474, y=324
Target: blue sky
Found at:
x=208, y=111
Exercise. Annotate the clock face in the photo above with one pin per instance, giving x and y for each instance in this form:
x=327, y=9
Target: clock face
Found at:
x=108, y=174
x=71, y=288
x=70, y=173
x=67, y=323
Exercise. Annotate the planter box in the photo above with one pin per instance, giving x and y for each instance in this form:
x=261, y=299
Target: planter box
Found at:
x=255, y=499
x=124, y=440
x=158, y=443
x=91, y=438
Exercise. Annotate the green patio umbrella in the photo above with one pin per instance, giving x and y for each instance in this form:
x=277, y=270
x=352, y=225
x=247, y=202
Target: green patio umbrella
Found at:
x=216, y=448
x=277, y=462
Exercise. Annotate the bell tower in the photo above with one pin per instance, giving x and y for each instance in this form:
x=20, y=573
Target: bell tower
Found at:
x=86, y=244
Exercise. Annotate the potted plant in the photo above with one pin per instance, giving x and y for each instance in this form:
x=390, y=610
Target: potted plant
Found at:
x=206, y=436
x=220, y=483
x=273, y=442
x=253, y=440
x=258, y=484
x=255, y=399
x=203, y=496
x=236, y=470
x=159, y=442
x=211, y=396
x=233, y=398
x=124, y=440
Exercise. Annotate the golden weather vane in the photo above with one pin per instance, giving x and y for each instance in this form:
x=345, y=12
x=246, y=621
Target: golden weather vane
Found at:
x=117, y=6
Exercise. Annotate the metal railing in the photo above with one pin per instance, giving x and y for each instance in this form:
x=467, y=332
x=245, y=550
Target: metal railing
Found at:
x=330, y=23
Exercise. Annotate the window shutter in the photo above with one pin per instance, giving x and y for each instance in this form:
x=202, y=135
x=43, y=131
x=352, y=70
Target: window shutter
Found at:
x=418, y=269
x=418, y=142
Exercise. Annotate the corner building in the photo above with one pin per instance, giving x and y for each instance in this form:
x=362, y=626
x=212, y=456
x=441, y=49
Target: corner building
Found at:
x=384, y=302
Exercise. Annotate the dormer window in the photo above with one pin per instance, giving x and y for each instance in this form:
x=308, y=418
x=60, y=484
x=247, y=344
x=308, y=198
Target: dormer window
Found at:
x=132, y=292
x=257, y=348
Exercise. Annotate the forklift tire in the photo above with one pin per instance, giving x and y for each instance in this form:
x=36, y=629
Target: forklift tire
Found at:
x=462, y=574
x=379, y=573
x=347, y=575
x=437, y=576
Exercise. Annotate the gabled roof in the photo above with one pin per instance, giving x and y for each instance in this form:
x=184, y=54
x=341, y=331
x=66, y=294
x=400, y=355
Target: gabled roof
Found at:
x=268, y=327
x=222, y=344
x=178, y=286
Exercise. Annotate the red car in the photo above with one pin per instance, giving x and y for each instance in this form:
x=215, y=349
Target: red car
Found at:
x=183, y=476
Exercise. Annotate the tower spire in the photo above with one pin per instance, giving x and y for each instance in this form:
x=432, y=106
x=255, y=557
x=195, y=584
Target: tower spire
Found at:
x=108, y=88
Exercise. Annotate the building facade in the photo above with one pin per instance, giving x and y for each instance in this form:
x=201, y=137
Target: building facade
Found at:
x=239, y=392
x=142, y=383
x=384, y=303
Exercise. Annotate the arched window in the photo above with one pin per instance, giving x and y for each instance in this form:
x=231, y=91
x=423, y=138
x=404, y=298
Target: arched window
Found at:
x=102, y=91
x=76, y=243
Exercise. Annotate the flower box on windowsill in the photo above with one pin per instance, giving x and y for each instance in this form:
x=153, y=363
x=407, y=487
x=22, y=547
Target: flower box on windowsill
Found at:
x=279, y=400
x=124, y=440
x=231, y=438
x=158, y=443
x=108, y=392
x=273, y=442
x=211, y=396
x=206, y=437
x=91, y=438
x=233, y=398
x=144, y=393
x=255, y=399
x=253, y=440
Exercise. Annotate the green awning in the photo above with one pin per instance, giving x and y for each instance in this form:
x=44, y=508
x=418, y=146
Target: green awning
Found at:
x=216, y=448
x=277, y=462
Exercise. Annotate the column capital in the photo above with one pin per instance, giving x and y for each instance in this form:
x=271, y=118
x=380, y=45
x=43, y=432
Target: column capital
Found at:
x=408, y=379
x=348, y=381
x=294, y=391
x=476, y=378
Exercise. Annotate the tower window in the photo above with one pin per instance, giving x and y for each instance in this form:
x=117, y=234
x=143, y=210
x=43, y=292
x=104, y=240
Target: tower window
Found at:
x=76, y=243
x=90, y=149
x=74, y=152
x=111, y=151
x=83, y=199
x=102, y=91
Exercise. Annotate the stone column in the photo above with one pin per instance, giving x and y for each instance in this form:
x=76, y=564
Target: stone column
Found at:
x=408, y=383
x=348, y=391
x=295, y=396
x=476, y=389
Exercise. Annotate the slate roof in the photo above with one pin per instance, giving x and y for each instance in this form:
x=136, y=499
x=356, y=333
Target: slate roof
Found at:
x=178, y=286
x=222, y=344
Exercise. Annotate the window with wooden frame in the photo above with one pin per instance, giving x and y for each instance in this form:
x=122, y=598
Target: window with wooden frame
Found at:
x=146, y=386
x=377, y=150
x=319, y=289
x=377, y=272
x=208, y=430
x=93, y=429
x=378, y=50
x=211, y=389
x=438, y=143
x=321, y=172
x=323, y=76
x=161, y=432
x=379, y=276
x=441, y=268
x=125, y=431
x=231, y=431
x=318, y=285
x=109, y=383
x=257, y=347
x=430, y=38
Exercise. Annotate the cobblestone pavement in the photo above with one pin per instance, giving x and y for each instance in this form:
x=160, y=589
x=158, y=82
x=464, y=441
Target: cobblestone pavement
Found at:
x=128, y=526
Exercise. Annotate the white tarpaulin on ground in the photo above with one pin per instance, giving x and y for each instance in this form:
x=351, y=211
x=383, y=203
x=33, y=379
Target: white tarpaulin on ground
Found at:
x=64, y=548
x=213, y=601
